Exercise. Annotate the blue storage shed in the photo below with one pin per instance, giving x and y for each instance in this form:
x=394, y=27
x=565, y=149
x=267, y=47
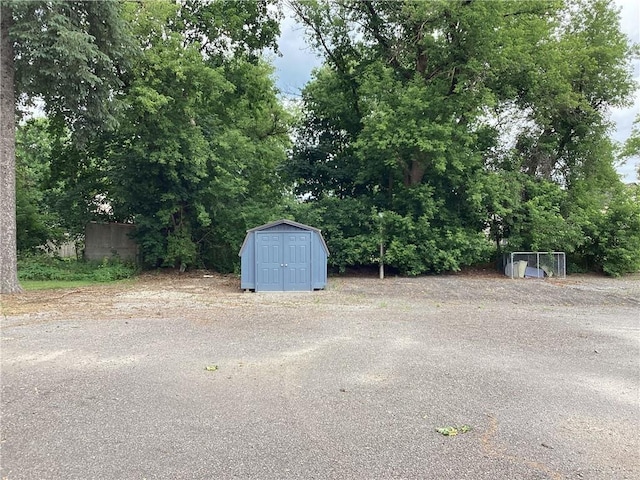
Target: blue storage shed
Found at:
x=283, y=256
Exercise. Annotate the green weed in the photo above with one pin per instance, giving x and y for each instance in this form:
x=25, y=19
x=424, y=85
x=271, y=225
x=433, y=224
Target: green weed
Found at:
x=43, y=268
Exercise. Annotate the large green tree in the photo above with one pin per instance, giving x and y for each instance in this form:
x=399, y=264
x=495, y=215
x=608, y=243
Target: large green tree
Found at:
x=203, y=135
x=67, y=55
x=585, y=72
x=454, y=117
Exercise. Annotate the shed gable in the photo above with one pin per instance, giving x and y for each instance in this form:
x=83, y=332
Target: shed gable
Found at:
x=283, y=227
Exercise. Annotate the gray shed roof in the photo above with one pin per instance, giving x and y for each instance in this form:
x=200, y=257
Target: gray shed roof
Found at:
x=266, y=226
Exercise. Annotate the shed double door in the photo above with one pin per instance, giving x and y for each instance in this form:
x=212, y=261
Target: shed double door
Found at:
x=283, y=261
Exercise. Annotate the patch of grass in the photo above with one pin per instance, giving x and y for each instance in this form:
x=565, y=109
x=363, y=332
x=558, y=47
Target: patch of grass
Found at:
x=43, y=268
x=59, y=284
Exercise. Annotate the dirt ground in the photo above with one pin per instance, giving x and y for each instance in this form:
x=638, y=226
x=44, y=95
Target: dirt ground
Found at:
x=192, y=294
x=352, y=381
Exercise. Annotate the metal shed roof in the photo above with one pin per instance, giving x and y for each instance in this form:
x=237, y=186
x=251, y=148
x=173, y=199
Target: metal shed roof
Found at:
x=266, y=226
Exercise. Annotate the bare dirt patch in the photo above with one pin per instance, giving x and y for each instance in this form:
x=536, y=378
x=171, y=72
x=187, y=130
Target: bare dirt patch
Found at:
x=191, y=294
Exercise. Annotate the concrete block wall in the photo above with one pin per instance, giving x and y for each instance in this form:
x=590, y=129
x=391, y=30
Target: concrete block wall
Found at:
x=106, y=240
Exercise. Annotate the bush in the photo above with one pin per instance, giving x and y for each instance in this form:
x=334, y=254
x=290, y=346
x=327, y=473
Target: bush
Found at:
x=620, y=239
x=610, y=228
x=353, y=229
x=45, y=267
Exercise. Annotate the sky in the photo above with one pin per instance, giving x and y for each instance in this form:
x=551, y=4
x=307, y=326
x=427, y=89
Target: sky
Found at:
x=294, y=67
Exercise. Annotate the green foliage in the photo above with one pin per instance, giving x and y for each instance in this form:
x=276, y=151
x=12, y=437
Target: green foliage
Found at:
x=416, y=245
x=632, y=145
x=620, y=241
x=353, y=229
x=44, y=267
x=535, y=220
x=407, y=117
x=610, y=227
x=231, y=28
x=72, y=56
x=59, y=185
x=400, y=138
x=582, y=71
x=348, y=228
x=37, y=222
x=68, y=57
x=181, y=250
x=32, y=229
x=200, y=146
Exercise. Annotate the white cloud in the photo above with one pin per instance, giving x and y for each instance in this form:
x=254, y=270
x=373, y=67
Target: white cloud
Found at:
x=293, y=68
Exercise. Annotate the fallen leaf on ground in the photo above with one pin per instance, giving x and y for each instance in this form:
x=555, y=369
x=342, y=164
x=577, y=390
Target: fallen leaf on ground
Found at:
x=451, y=431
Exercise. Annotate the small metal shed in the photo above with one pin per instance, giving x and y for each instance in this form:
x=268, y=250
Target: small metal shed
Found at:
x=283, y=256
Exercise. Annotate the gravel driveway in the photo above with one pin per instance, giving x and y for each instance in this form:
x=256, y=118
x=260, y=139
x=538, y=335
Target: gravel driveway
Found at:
x=351, y=382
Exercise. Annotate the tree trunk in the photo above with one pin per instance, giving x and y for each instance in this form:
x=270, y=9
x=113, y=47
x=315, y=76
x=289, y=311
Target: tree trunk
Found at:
x=414, y=174
x=8, y=253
